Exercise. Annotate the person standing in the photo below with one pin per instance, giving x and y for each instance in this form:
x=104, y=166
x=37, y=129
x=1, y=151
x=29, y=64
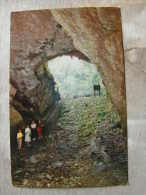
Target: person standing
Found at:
x=40, y=130
x=27, y=135
x=19, y=139
x=34, y=130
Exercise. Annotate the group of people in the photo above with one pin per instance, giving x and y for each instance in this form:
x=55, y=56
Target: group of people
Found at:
x=31, y=133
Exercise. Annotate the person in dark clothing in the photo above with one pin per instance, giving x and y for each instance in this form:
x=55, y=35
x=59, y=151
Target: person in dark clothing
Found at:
x=96, y=88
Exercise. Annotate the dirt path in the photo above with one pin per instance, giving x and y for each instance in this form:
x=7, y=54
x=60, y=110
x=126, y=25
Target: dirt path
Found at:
x=63, y=159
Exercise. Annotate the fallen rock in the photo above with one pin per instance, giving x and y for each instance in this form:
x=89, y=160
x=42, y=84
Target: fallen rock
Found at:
x=100, y=166
x=33, y=159
x=57, y=164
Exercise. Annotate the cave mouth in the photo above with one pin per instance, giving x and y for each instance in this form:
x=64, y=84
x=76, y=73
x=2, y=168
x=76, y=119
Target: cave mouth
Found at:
x=74, y=77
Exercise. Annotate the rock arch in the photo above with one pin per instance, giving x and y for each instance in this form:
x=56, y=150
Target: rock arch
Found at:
x=37, y=36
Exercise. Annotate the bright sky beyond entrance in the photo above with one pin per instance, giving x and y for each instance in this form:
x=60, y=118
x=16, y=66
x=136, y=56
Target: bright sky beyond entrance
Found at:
x=74, y=77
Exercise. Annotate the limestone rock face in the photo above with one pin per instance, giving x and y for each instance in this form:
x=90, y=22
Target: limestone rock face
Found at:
x=90, y=33
x=35, y=38
x=97, y=33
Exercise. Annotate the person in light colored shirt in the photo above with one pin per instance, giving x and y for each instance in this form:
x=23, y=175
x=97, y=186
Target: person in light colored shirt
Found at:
x=33, y=130
x=27, y=135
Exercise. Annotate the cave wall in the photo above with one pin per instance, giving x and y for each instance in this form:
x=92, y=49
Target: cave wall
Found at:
x=37, y=36
x=97, y=33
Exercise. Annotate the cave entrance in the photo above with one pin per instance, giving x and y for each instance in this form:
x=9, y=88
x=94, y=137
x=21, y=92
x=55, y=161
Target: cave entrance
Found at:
x=83, y=114
x=82, y=111
x=75, y=77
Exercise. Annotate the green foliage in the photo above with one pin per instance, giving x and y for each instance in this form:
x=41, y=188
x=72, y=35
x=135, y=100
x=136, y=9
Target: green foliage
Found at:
x=98, y=113
x=43, y=69
x=90, y=115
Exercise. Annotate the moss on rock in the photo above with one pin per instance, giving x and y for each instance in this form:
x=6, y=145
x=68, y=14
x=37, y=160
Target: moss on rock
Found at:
x=15, y=117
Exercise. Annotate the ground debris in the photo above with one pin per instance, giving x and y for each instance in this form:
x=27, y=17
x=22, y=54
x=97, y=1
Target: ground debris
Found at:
x=85, y=149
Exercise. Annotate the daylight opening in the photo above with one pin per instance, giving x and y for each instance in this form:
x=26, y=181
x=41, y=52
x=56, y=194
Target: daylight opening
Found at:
x=75, y=77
